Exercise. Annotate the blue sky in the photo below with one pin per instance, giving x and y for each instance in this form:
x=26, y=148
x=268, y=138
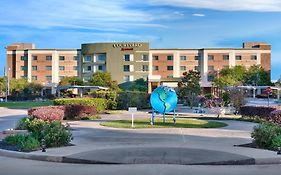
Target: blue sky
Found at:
x=163, y=23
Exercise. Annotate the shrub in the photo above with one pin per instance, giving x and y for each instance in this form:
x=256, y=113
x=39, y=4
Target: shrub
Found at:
x=99, y=103
x=24, y=142
x=257, y=111
x=13, y=139
x=55, y=134
x=110, y=96
x=276, y=142
x=264, y=134
x=22, y=123
x=47, y=113
x=275, y=117
x=76, y=112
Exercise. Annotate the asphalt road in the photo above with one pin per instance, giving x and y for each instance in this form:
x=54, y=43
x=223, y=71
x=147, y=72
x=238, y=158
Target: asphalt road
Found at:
x=9, y=118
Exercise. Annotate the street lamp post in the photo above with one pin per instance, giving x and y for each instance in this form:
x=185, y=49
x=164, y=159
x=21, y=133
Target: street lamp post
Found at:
x=7, y=85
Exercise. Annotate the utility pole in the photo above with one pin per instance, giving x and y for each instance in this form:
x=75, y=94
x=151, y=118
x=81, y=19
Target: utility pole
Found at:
x=6, y=73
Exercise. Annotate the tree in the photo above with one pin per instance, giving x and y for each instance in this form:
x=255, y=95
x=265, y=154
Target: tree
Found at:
x=103, y=79
x=230, y=77
x=137, y=85
x=18, y=85
x=71, y=81
x=257, y=76
x=189, y=87
x=2, y=85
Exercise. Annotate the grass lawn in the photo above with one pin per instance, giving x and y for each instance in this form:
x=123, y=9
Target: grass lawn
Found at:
x=25, y=105
x=181, y=123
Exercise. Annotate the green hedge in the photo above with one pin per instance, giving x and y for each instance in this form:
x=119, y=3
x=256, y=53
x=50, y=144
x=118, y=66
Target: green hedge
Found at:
x=99, y=103
x=123, y=99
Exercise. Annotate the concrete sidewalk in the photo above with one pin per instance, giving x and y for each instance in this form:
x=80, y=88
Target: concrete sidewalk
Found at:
x=98, y=144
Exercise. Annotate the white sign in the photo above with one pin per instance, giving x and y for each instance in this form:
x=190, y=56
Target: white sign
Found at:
x=132, y=109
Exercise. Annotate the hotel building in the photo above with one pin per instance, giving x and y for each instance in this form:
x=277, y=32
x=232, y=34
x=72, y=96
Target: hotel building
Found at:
x=128, y=61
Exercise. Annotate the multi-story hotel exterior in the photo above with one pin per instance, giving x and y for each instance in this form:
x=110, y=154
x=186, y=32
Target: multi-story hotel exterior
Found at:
x=129, y=61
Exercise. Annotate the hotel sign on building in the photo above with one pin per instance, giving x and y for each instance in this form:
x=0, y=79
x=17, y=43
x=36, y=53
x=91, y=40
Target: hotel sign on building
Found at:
x=125, y=45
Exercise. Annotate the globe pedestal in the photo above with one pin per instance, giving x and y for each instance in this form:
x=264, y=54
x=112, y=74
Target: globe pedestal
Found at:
x=163, y=99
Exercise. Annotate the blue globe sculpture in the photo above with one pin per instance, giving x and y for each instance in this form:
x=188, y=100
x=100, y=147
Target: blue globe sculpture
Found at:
x=163, y=99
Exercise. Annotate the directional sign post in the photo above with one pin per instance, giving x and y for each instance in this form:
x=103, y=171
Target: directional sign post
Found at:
x=132, y=110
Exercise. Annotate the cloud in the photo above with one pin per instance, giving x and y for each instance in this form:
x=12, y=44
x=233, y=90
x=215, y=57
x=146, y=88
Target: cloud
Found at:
x=110, y=15
x=198, y=14
x=225, y=5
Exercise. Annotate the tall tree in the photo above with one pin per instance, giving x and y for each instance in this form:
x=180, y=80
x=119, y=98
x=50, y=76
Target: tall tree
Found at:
x=189, y=87
x=103, y=79
x=257, y=76
x=71, y=81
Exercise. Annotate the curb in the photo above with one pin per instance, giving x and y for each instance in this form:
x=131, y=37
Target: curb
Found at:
x=63, y=159
x=22, y=155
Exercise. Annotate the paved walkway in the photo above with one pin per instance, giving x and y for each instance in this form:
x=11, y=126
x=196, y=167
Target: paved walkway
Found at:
x=98, y=144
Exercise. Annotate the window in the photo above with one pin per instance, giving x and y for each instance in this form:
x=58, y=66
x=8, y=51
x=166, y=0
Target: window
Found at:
x=144, y=68
x=155, y=68
x=238, y=57
x=210, y=68
x=126, y=68
x=23, y=67
x=183, y=68
x=49, y=58
x=155, y=57
x=126, y=78
x=49, y=78
x=210, y=77
x=87, y=69
x=61, y=77
x=197, y=68
x=183, y=58
x=210, y=57
x=144, y=57
x=170, y=68
x=127, y=57
x=196, y=57
x=23, y=76
x=76, y=58
x=75, y=67
x=23, y=58
x=170, y=57
x=225, y=57
x=61, y=67
x=170, y=76
x=100, y=67
x=253, y=57
x=34, y=67
x=61, y=58
x=48, y=67
x=87, y=58
x=34, y=78
x=101, y=57
x=34, y=57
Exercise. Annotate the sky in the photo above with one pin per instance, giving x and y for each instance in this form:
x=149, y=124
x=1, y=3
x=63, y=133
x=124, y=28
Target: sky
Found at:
x=162, y=23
